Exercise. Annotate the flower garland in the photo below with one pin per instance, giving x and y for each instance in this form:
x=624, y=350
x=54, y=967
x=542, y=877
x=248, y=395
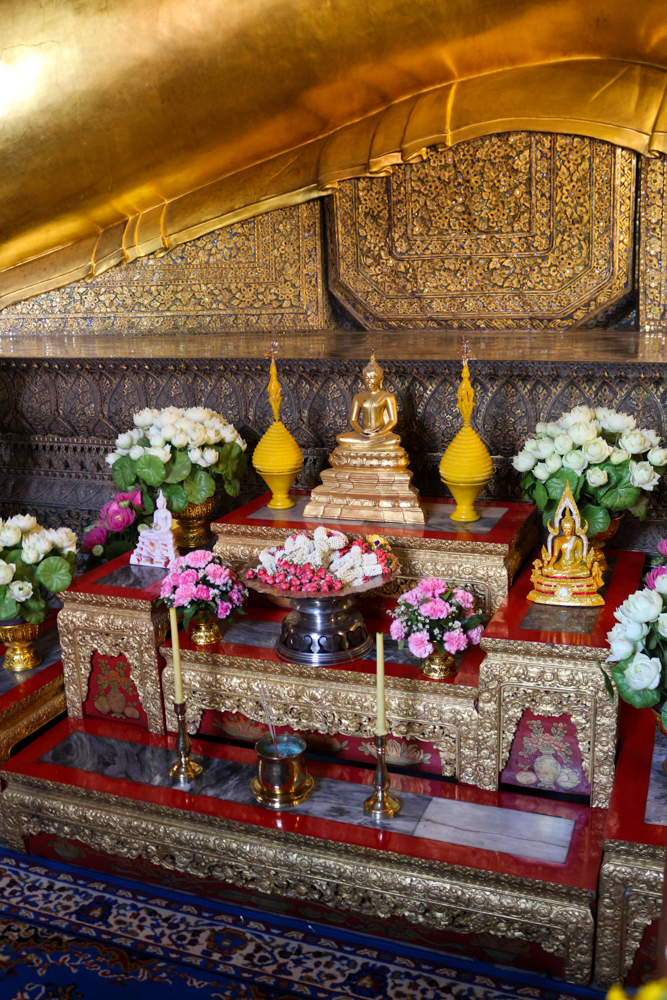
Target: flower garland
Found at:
x=34, y=562
x=434, y=616
x=204, y=586
x=609, y=464
x=324, y=561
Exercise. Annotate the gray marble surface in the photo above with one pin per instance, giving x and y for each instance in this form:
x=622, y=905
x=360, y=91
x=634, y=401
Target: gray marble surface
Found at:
x=135, y=577
x=551, y=618
x=656, y=800
x=48, y=644
x=530, y=835
x=437, y=518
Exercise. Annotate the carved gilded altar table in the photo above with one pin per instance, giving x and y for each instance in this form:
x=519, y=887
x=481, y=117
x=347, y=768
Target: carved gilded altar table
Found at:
x=485, y=555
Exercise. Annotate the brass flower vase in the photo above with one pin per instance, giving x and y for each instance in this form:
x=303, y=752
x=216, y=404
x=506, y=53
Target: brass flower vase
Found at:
x=439, y=666
x=205, y=633
x=191, y=524
x=21, y=653
x=601, y=539
x=281, y=780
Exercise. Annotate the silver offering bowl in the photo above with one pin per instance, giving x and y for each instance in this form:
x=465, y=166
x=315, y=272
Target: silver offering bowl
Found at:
x=322, y=629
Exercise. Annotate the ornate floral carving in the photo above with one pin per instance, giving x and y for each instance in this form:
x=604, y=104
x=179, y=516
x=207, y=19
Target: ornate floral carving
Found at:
x=653, y=245
x=434, y=894
x=630, y=897
x=513, y=230
x=130, y=628
x=552, y=681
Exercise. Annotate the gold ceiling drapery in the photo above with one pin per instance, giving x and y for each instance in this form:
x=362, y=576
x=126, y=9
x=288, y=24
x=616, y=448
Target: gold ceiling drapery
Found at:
x=128, y=126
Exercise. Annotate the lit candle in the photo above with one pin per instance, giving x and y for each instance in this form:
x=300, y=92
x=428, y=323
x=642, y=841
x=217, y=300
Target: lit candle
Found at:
x=381, y=728
x=176, y=650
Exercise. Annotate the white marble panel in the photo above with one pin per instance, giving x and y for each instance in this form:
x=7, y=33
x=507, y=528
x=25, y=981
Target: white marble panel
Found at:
x=656, y=800
x=528, y=835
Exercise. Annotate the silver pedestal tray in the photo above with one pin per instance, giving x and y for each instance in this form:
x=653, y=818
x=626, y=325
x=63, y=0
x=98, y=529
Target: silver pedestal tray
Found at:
x=322, y=629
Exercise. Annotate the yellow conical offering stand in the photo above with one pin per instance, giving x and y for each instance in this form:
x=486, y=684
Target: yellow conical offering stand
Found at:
x=277, y=456
x=466, y=466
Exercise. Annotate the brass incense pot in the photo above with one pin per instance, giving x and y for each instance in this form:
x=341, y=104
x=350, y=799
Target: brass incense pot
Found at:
x=281, y=780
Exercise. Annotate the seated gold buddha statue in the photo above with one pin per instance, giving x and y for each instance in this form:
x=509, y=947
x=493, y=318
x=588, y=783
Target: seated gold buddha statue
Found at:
x=369, y=478
x=568, y=572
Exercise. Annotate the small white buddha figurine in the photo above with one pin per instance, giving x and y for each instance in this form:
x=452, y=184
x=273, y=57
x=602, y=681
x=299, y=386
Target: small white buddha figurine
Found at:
x=156, y=546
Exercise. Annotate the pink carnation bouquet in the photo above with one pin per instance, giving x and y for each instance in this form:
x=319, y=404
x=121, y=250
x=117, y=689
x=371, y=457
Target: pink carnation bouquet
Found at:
x=204, y=586
x=435, y=617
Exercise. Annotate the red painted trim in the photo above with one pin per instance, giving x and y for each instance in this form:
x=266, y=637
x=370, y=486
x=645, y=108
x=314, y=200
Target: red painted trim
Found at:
x=88, y=583
x=581, y=868
x=28, y=686
x=506, y=622
x=625, y=820
x=501, y=534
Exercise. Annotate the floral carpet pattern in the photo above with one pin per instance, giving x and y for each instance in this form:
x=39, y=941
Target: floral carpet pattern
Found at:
x=68, y=935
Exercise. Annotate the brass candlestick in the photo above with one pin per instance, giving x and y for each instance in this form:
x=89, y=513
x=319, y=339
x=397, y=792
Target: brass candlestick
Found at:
x=381, y=805
x=183, y=769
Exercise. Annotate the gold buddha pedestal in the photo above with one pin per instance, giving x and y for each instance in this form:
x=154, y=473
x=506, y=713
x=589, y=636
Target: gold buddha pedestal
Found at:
x=369, y=479
x=568, y=572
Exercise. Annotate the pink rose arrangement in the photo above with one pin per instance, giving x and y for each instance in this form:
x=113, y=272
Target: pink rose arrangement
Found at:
x=435, y=616
x=117, y=527
x=204, y=586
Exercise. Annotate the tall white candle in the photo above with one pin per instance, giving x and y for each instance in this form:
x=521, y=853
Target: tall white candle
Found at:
x=176, y=650
x=381, y=728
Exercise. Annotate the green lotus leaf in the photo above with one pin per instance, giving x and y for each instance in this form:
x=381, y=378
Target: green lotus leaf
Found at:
x=124, y=473
x=54, y=574
x=150, y=469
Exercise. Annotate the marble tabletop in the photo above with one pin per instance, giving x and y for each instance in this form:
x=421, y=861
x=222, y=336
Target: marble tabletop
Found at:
x=533, y=835
x=48, y=645
x=656, y=800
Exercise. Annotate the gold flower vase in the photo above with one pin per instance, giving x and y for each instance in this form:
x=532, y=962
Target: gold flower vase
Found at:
x=439, y=666
x=205, y=633
x=21, y=653
x=466, y=466
x=191, y=524
x=277, y=457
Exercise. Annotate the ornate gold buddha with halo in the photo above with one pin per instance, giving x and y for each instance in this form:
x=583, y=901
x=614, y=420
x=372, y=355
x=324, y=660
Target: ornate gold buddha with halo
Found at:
x=369, y=478
x=568, y=572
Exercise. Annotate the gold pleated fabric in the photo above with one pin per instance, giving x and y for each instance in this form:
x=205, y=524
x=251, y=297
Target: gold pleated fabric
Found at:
x=129, y=126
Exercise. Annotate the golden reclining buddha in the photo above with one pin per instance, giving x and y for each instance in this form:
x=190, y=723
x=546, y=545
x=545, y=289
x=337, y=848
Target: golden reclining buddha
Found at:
x=130, y=127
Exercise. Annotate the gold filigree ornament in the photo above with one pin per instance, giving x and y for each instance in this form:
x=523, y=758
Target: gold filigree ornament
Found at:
x=466, y=466
x=277, y=457
x=569, y=571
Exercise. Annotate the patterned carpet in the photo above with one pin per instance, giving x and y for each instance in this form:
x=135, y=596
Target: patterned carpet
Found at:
x=68, y=935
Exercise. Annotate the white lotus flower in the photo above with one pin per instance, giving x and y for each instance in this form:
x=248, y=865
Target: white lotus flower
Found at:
x=164, y=454
x=25, y=522
x=136, y=434
x=597, y=451
x=643, y=474
x=66, y=539
x=168, y=416
x=197, y=436
x=43, y=541
x=618, y=456
x=20, y=590
x=9, y=535
x=546, y=447
x=651, y=436
x=524, y=461
x=156, y=440
x=213, y=434
x=616, y=423
x=657, y=456
x=124, y=441
x=553, y=463
x=580, y=414
x=581, y=432
x=541, y=472
x=179, y=440
x=596, y=477
x=661, y=584
x=29, y=553
x=661, y=622
x=575, y=460
x=199, y=414
x=563, y=444
x=634, y=631
x=621, y=646
x=137, y=451
x=642, y=606
x=643, y=672
x=145, y=417
x=168, y=431
x=634, y=442
x=6, y=572
x=194, y=455
x=210, y=456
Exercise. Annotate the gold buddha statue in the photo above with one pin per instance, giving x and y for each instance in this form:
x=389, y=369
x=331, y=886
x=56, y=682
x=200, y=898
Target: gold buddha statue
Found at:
x=569, y=572
x=369, y=479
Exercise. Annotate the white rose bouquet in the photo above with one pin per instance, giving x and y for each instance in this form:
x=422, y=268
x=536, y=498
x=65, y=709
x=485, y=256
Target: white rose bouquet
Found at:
x=181, y=452
x=34, y=562
x=638, y=644
x=609, y=464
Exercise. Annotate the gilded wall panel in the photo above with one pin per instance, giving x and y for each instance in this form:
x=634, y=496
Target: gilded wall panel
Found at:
x=516, y=230
x=653, y=245
x=264, y=274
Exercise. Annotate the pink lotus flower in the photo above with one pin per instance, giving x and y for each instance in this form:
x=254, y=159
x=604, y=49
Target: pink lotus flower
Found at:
x=397, y=630
x=465, y=599
x=455, y=642
x=96, y=536
x=475, y=634
x=119, y=518
x=435, y=608
x=184, y=594
x=199, y=558
x=133, y=497
x=224, y=609
x=662, y=546
x=419, y=645
x=202, y=593
x=653, y=575
x=432, y=586
x=220, y=574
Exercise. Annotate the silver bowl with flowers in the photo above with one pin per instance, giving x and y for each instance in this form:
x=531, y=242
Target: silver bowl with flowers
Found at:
x=320, y=573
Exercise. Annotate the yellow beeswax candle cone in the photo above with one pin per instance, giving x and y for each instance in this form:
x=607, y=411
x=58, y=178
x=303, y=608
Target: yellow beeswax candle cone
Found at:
x=277, y=456
x=466, y=466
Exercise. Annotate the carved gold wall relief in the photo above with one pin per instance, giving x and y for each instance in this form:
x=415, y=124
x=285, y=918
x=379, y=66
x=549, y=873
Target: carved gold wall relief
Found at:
x=433, y=894
x=264, y=273
x=653, y=245
x=513, y=230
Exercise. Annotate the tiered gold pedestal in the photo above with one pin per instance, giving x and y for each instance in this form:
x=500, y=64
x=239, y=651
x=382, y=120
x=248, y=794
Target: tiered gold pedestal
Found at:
x=367, y=486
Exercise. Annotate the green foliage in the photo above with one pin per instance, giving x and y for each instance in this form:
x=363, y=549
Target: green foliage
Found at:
x=150, y=469
x=556, y=484
x=609, y=687
x=177, y=468
x=233, y=487
x=540, y=495
x=175, y=496
x=199, y=486
x=34, y=610
x=597, y=517
x=118, y=546
x=640, y=699
x=147, y=502
x=124, y=473
x=639, y=507
x=54, y=573
x=619, y=498
x=8, y=608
